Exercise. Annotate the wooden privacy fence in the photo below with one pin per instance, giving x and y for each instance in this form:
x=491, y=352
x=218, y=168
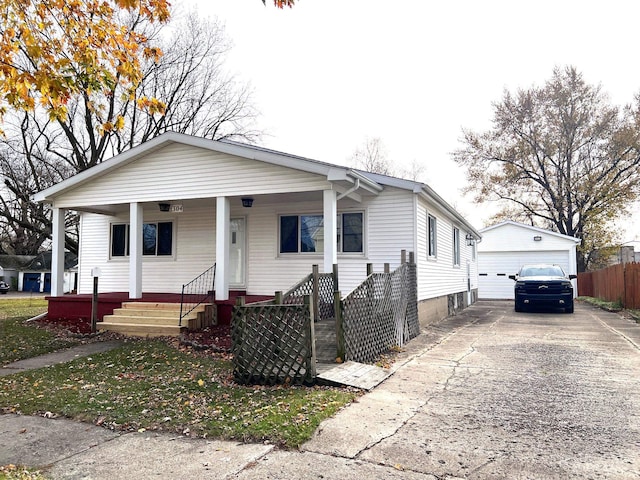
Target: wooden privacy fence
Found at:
x=274, y=341
x=618, y=283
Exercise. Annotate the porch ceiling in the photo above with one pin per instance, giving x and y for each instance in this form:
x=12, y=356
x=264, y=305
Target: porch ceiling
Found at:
x=259, y=200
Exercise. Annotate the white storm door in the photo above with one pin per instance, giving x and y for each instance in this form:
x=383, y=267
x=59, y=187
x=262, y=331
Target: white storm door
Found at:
x=237, y=253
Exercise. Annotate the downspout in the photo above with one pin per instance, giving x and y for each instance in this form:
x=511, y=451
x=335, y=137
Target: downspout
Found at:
x=355, y=187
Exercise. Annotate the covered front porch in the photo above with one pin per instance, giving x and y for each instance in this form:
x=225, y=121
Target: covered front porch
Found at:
x=155, y=217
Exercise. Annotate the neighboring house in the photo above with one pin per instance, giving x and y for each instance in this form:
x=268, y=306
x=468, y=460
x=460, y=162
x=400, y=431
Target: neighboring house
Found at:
x=156, y=216
x=11, y=267
x=607, y=257
x=508, y=245
x=35, y=275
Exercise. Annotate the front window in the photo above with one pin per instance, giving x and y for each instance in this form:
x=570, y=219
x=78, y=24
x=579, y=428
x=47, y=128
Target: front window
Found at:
x=305, y=233
x=456, y=246
x=157, y=239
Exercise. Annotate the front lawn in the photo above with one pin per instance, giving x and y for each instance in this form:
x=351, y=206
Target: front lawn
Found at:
x=19, y=340
x=154, y=385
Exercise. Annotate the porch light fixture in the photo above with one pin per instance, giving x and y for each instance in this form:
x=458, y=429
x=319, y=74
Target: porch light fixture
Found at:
x=470, y=239
x=247, y=202
x=537, y=238
x=164, y=207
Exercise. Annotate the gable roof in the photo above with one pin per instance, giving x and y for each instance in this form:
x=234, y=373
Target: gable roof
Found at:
x=577, y=241
x=371, y=182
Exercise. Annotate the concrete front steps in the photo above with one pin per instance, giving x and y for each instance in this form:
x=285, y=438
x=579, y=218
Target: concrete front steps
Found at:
x=155, y=319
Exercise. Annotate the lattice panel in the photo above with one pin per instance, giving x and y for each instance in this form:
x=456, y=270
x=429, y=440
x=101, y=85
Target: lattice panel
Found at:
x=380, y=314
x=272, y=344
x=296, y=295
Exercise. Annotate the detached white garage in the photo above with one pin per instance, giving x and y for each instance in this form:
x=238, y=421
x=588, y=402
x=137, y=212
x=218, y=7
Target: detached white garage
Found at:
x=505, y=247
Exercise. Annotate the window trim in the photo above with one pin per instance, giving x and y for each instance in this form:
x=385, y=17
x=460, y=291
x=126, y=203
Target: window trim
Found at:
x=127, y=244
x=339, y=233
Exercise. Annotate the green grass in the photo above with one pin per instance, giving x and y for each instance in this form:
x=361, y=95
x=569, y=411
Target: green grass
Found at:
x=151, y=385
x=19, y=340
x=611, y=306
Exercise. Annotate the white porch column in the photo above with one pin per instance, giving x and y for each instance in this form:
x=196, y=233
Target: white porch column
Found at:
x=330, y=213
x=57, y=253
x=223, y=220
x=135, y=250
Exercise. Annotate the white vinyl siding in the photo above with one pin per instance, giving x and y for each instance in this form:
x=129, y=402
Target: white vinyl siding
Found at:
x=388, y=227
x=437, y=276
x=179, y=171
x=195, y=252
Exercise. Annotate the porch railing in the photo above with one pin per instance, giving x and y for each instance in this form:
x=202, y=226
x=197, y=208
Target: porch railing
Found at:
x=321, y=287
x=197, y=291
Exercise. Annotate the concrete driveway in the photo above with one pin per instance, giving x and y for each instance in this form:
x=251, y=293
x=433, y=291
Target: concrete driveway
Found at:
x=488, y=394
x=509, y=396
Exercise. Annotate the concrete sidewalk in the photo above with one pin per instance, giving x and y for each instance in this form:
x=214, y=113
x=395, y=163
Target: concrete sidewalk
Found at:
x=65, y=449
x=61, y=356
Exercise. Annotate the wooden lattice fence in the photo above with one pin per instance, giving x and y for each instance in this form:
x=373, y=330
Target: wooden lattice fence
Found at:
x=273, y=343
x=320, y=286
x=379, y=314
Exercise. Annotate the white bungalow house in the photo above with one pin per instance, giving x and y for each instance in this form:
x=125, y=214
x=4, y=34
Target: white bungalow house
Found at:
x=154, y=217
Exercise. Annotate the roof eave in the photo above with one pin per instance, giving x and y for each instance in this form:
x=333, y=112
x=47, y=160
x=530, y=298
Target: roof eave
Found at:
x=429, y=193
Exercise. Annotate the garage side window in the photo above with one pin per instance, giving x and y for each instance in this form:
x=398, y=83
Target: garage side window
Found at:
x=432, y=234
x=456, y=246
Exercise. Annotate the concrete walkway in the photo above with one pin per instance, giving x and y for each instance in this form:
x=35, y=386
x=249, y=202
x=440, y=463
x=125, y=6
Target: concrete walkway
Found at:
x=61, y=356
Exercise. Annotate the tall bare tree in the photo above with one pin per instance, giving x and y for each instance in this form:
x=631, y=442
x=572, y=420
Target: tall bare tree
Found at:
x=198, y=98
x=372, y=156
x=558, y=156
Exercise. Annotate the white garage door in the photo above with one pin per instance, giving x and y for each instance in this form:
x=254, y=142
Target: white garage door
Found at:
x=494, y=269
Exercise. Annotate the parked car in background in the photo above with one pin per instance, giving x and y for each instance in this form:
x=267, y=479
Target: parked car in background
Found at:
x=543, y=285
x=4, y=287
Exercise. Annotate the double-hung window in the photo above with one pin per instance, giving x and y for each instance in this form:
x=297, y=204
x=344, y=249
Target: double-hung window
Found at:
x=157, y=239
x=456, y=246
x=432, y=232
x=305, y=233
x=350, y=229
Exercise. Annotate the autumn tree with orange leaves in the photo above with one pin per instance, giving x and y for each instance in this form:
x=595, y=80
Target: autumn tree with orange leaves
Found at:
x=73, y=74
x=52, y=50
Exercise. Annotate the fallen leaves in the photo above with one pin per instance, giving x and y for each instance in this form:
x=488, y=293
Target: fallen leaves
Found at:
x=151, y=385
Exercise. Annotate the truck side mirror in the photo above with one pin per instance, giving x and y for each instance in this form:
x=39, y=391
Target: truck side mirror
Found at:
x=512, y=277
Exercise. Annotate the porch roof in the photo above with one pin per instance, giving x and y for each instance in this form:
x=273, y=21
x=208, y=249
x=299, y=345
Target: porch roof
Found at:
x=334, y=173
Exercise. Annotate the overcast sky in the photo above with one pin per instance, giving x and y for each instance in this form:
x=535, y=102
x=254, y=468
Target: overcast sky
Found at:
x=327, y=74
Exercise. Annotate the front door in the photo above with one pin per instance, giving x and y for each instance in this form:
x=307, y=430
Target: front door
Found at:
x=237, y=253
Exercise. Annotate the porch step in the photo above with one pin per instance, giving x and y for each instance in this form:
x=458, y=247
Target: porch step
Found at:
x=138, y=330
x=152, y=319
